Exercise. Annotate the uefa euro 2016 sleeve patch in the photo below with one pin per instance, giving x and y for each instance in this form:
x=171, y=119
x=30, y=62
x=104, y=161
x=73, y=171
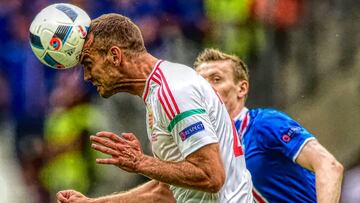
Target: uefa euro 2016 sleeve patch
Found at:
x=192, y=129
x=290, y=134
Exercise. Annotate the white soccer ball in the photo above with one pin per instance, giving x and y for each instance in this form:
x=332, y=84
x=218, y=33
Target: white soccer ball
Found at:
x=57, y=35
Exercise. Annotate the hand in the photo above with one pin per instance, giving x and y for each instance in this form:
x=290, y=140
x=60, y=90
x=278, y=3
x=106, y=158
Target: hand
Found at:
x=71, y=196
x=162, y=193
x=125, y=151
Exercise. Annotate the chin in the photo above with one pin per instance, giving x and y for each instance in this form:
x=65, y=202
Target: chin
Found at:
x=105, y=94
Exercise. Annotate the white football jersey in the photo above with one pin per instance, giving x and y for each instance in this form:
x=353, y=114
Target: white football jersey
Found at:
x=184, y=114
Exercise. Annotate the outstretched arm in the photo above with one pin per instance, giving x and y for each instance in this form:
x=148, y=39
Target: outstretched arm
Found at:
x=202, y=170
x=152, y=191
x=328, y=171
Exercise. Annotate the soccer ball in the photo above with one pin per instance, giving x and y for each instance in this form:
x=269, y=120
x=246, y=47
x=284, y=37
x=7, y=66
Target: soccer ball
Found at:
x=57, y=35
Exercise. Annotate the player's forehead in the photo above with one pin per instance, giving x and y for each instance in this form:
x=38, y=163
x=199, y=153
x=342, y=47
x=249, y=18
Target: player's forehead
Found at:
x=214, y=67
x=88, y=49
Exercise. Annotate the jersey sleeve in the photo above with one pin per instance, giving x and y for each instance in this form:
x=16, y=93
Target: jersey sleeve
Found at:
x=278, y=132
x=191, y=128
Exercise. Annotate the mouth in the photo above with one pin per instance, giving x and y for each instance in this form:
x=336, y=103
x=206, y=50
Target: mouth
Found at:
x=97, y=87
x=96, y=84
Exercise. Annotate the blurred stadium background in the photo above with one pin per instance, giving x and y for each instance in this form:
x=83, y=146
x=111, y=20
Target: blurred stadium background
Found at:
x=304, y=58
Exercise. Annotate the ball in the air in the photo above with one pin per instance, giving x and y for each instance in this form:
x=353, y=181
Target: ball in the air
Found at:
x=57, y=35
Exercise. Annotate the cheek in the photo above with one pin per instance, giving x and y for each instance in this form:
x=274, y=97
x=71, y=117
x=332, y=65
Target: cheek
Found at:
x=226, y=91
x=95, y=71
x=100, y=75
x=223, y=89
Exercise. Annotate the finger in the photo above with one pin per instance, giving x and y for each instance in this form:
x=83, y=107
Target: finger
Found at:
x=61, y=196
x=62, y=200
x=103, y=141
x=129, y=136
x=107, y=161
x=164, y=185
x=109, y=135
x=105, y=150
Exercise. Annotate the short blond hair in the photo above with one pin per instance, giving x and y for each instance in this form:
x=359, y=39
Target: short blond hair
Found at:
x=241, y=72
x=115, y=29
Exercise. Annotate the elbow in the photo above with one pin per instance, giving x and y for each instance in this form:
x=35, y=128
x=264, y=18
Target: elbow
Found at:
x=216, y=183
x=334, y=168
x=216, y=186
x=337, y=167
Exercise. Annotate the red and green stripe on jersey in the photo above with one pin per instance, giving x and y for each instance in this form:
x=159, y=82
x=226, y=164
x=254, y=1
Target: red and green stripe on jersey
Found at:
x=167, y=99
x=164, y=93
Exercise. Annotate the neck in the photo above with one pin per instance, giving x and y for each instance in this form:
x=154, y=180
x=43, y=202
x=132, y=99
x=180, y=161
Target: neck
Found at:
x=141, y=67
x=236, y=110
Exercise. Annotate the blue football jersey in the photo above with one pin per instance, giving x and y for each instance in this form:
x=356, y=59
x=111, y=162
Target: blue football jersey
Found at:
x=272, y=142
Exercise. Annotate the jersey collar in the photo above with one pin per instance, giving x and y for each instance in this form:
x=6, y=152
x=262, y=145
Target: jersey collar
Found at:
x=242, y=121
x=148, y=80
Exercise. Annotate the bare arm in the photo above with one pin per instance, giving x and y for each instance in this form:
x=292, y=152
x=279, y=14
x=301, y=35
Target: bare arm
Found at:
x=202, y=170
x=152, y=191
x=328, y=171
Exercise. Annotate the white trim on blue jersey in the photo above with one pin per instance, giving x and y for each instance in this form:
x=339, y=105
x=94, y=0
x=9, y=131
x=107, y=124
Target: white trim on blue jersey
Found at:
x=301, y=147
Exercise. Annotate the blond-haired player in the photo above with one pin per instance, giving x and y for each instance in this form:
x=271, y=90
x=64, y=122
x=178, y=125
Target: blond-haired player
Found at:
x=286, y=162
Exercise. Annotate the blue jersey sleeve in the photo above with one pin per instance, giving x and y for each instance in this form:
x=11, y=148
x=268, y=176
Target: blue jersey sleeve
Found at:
x=278, y=132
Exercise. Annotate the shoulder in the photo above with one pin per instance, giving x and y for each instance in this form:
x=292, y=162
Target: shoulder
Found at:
x=180, y=89
x=176, y=71
x=276, y=130
x=269, y=117
x=181, y=80
x=270, y=124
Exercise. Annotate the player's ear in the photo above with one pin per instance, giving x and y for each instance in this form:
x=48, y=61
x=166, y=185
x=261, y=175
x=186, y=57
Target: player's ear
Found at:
x=115, y=55
x=243, y=88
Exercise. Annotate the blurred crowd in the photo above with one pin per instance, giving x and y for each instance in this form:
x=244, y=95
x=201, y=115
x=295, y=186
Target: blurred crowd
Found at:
x=47, y=115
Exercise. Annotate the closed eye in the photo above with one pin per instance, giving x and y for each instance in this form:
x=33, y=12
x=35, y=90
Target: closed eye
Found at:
x=216, y=79
x=87, y=64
